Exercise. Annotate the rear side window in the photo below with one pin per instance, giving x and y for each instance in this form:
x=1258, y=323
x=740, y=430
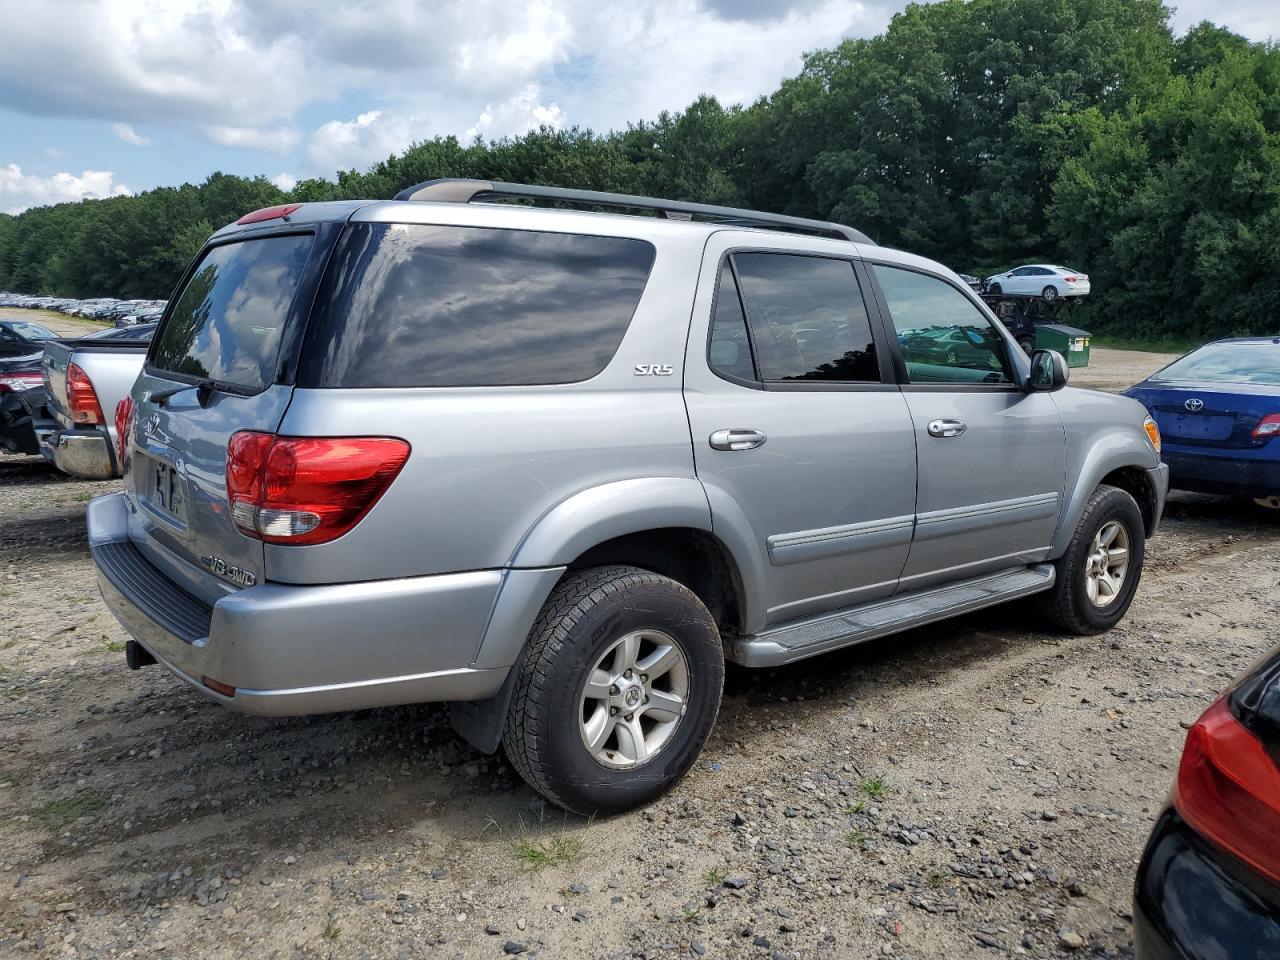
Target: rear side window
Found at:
x=417, y=305
x=807, y=318
x=227, y=322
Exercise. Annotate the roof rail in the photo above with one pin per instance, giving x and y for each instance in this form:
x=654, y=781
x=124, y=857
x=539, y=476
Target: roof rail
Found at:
x=467, y=191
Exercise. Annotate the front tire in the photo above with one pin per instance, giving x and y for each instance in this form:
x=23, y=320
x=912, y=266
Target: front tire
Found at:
x=617, y=692
x=1099, y=573
x=995, y=290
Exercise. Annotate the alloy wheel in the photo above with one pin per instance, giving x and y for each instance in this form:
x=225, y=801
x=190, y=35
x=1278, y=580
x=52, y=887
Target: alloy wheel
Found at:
x=634, y=699
x=1108, y=563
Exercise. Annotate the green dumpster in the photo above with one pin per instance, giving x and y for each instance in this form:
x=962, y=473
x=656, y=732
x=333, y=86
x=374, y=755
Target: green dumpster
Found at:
x=1071, y=342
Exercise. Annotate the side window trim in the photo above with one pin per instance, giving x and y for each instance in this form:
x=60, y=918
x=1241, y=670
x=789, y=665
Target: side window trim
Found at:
x=884, y=359
x=888, y=330
x=726, y=260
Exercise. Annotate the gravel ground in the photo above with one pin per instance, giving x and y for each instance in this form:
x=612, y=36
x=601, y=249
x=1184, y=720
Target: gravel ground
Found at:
x=975, y=789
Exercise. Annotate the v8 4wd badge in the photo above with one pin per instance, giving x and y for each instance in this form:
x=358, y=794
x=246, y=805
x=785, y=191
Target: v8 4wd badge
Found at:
x=219, y=566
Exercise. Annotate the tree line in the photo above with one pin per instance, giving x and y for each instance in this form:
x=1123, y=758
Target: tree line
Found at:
x=983, y=134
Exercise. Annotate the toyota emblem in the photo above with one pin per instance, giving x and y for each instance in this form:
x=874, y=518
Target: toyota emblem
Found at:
x=1195, y=404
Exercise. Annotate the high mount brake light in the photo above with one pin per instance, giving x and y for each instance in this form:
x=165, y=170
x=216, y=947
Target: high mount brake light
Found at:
x=269, y=213
x=307, y=490
x=82, y=401
x=124, y=424
x=1228, y=790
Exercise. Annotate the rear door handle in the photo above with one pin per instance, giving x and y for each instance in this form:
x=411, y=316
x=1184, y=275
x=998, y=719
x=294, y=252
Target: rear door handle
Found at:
x=947, y=428
x=736, y=439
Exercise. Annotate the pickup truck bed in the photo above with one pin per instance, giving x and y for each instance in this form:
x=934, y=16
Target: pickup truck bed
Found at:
x=85, y=379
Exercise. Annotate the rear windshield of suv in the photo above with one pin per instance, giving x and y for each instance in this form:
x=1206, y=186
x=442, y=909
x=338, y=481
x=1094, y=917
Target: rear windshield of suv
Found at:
x=419, y=305
x=226, y=323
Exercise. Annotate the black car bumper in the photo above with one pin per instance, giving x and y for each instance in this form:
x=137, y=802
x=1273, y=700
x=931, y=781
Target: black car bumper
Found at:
x=1194, y=902
x=1243, y=477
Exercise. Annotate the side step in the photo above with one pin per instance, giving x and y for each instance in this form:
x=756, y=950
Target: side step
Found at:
x=842, y=628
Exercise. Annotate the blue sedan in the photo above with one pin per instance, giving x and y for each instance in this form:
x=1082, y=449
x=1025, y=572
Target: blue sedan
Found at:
x=1218, y=409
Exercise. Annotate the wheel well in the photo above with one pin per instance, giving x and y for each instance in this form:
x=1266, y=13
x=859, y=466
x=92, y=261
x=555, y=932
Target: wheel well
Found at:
x=1137, y=483
x=694, y=558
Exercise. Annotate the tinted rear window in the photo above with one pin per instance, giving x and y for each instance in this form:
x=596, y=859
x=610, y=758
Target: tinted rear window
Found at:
x=416, y=305
x=227, y=321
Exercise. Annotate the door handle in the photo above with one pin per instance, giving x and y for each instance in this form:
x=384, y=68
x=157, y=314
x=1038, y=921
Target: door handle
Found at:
x=736, y=439
x=947, y=428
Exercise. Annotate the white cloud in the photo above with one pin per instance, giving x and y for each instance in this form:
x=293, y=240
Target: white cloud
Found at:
x=280, y=139
x=129, y=135
x=285, y=181
x=520, y=114
x=372, y=136
x=19, y=190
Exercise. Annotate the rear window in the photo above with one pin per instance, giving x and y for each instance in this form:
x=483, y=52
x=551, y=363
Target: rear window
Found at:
x=227, y=322
x=417, y=305
x=1227, y=363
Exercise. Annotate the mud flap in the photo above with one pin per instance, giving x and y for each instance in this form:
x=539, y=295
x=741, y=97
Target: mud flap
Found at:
x=480, y=722
x=137, y=656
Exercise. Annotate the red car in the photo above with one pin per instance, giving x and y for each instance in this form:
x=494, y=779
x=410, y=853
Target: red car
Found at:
x=1209, y=881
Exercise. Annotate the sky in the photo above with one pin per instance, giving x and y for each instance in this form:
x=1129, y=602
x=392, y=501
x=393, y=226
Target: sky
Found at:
x=105, y=97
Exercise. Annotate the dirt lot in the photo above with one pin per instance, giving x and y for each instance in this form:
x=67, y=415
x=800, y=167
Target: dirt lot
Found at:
x=971, y=790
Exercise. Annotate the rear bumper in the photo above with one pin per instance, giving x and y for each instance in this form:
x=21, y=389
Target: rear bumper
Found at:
x=292, y=650
x=81, y=453
x=1193, y=902
x=1243, y=476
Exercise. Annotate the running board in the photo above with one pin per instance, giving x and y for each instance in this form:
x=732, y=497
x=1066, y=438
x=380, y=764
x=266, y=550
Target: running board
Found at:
x=867, y=621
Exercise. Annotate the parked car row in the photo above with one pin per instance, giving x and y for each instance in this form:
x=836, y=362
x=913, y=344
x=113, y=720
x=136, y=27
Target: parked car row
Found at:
x=122, y=313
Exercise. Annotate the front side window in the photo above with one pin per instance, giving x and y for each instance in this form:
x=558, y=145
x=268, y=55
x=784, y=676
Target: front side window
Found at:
x=807, y=319
x=227, y=322
x=943, y=336
x=421, y=305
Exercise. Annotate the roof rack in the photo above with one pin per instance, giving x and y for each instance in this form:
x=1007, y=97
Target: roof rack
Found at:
x=467, y=191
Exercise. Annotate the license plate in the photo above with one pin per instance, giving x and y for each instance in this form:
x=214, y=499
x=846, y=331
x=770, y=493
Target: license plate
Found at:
x=1200, y=427
x=166, y=492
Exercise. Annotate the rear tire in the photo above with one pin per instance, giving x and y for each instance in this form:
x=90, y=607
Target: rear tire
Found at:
x=568, y=691
x=1049, y=293
x=1080, y=602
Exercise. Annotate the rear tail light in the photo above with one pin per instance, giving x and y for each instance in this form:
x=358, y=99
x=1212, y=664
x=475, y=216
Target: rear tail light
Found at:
x=15, y=382
x=81, y=400
x=1228, y=789
x=1268, y=426
x=124, y=424
x=1071, y=279
x=306, y=490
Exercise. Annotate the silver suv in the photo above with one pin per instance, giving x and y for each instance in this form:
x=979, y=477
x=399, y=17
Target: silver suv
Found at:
x=557, y=466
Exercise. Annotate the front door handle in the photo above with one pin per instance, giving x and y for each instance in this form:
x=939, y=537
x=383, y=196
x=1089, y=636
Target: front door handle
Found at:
x=736, y=439
x=947, y=428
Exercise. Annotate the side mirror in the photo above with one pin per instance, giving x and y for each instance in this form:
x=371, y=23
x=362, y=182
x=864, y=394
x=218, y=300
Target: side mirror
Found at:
x=1048, y=371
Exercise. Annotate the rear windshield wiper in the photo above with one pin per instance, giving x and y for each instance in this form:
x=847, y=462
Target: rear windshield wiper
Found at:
x=204, y=391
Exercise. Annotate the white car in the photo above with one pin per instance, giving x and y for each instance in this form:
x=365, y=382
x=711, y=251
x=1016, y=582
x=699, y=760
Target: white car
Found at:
x=1040, y=280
